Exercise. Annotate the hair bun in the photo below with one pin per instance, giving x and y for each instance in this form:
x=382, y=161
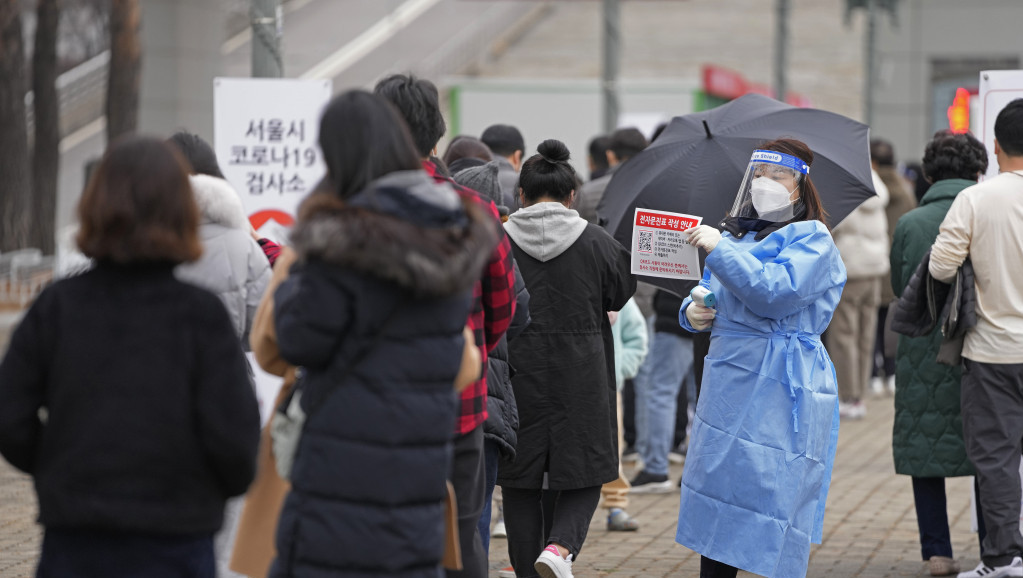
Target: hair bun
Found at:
x=553, y=150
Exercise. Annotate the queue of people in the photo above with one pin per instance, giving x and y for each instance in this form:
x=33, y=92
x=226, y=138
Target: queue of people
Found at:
x=455, y=335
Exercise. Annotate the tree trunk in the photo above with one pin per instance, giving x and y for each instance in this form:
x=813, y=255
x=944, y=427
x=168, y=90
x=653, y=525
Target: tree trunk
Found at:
x=46, y=154
x=15, y=178
x=125, y=68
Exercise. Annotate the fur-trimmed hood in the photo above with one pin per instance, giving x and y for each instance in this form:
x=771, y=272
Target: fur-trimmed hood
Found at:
x=403, y=228
x=218, y=202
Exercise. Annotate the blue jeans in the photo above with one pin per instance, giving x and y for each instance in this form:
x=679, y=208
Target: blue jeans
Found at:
x=492, y=455
x=672, y=362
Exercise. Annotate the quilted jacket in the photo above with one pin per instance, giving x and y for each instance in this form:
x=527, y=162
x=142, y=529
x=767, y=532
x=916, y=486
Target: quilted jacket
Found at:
x=928, y=433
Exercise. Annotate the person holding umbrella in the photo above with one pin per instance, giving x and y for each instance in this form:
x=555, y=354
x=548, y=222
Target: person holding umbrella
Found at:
x=766, y=425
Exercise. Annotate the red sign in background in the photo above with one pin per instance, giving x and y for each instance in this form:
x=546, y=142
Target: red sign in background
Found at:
x=259, y=218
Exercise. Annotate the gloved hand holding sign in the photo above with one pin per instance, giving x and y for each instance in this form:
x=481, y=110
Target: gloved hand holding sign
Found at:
x=704, y=237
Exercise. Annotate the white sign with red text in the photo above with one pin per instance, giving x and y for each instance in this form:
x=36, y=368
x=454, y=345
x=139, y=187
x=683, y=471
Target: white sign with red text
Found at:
x=659, y=246
x=997, y=89
x=265, y=137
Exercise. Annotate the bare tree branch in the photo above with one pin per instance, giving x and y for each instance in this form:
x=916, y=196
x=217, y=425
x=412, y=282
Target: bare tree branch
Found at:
x=16, y=183
x=125, y=68
x=46, y=154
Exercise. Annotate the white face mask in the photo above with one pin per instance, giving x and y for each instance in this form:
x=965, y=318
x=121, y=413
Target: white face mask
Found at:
x=769, y=196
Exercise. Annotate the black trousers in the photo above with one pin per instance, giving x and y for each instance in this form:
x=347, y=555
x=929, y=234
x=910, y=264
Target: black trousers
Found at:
x=84, y=554
x=468, y=476
x=992, y=409
x=714, y=569
x=524, y=520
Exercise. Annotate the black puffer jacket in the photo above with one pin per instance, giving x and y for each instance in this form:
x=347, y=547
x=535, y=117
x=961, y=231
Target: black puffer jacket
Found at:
x=926, y=303
x=666, y=307
x=502, y=423
x=391, y=269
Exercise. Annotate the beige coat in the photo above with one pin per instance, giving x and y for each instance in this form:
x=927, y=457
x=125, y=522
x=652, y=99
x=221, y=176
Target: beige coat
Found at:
x=862, y=237
x=254, y=549
x=900, y=202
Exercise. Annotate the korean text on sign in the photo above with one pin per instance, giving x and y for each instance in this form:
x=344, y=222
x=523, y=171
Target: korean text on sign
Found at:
x=659, y=246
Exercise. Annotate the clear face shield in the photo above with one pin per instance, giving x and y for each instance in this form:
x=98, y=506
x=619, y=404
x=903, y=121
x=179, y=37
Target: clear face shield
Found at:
x=770, y=187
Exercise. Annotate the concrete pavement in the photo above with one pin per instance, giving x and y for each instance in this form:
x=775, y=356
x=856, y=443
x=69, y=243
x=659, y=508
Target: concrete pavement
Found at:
x=869, y=529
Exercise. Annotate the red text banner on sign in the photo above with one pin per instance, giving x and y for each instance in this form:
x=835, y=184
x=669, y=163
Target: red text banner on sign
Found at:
x=659, y=221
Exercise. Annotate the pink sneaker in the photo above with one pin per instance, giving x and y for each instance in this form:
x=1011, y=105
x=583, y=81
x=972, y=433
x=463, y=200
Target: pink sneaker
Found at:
x=550, y=564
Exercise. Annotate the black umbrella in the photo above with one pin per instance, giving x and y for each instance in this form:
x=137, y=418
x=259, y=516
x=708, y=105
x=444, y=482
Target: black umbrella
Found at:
x=696, y=165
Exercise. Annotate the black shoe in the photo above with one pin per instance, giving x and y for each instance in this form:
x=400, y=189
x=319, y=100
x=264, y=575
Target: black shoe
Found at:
x=647, y=483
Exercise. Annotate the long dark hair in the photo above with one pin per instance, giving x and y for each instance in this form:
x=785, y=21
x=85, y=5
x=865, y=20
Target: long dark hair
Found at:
x=807, y=191
x=363, y=138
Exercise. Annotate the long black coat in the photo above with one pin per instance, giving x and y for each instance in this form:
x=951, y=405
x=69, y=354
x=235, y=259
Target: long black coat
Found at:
x=565, y=378
x=391, y=271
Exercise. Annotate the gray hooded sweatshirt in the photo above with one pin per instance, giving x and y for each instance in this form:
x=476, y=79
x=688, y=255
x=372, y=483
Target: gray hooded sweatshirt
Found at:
x=545, y=230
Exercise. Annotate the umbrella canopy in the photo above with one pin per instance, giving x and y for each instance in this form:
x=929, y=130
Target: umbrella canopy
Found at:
x=697, y=163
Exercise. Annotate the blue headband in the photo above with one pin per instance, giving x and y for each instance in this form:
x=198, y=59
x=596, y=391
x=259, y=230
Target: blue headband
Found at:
x=776, y=158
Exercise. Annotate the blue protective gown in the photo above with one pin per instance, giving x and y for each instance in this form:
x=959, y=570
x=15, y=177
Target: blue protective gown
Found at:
x=763, y=442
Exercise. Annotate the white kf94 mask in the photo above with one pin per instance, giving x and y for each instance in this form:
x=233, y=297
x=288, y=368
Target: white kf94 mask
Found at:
x=769, y=196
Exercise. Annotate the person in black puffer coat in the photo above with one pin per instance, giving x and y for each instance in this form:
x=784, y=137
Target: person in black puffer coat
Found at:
x=374, y=311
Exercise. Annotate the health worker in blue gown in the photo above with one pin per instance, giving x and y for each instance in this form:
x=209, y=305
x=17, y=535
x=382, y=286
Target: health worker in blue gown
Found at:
x=763, y=441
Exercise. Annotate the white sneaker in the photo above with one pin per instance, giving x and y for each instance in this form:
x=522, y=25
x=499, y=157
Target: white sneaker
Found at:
x=984, y=571
x=499, y=530
x=890, y=384
x=859, y=410
x=550, y=564
x=877, y=385
x=507, y=572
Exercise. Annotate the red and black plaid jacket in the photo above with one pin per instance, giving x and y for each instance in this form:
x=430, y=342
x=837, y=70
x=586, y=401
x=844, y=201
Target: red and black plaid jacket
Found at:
x=492, y=310
x=270, y=249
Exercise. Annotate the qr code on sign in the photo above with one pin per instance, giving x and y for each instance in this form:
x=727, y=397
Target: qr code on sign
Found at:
x=646, y=242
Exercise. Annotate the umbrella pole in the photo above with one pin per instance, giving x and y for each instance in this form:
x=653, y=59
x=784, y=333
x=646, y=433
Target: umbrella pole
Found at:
x=612, y=47
x=781, y=40
x=868, y=89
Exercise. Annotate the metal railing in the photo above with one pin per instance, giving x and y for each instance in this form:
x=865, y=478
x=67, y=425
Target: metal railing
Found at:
x=23, y=275
x=81, y=93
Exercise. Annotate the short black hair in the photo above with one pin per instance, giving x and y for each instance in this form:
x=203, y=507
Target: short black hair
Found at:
x=882, y=152
x=627, y=143
x=598, y=150
x=548, y=173
x=418, y=102
x=503, y=139
x=363, y=138
x=1009, y=128
x=198, y=153
x=954, y=156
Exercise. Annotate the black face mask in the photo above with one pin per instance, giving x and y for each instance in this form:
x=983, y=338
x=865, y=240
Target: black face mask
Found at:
x=739, y=227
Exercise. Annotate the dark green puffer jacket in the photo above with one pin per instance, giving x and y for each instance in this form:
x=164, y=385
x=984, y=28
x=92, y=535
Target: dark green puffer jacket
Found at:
x=928, y=433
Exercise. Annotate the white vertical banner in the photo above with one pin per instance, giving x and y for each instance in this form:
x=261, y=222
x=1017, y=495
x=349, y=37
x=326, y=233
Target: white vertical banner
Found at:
x=997, y=89
x=265, y=135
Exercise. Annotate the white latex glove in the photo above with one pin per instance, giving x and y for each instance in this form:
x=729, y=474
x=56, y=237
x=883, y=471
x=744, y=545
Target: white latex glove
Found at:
x=700, y=317
x=704, y=237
